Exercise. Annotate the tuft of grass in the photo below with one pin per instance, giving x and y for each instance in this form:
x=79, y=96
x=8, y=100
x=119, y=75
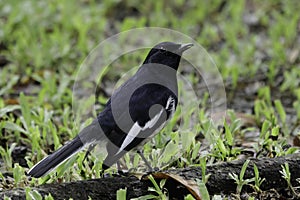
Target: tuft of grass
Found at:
x=239, y=179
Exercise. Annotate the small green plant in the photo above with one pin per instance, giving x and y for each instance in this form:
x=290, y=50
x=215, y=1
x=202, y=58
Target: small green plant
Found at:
x=203, y=190
x=280, y=110
x=121, y=194
x=286, y=174
x=239, y=180
x=6, y=155
x=35, y=195
x=161, y=194
x=223, y=140
x=257, y=179
x=189, y=197
x=291, y=80
x=272, y=142
x=19, y=175
x=204, y=176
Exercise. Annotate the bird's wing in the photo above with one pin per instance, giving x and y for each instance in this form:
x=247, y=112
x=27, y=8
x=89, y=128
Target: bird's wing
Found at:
x=147, y=97
x=141, y=102
x=136, y=129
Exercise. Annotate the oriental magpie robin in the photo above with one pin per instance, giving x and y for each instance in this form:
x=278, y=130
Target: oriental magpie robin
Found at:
x=137, y=110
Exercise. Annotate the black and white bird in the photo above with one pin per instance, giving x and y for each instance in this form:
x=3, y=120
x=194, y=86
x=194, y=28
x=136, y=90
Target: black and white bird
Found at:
x=137, y=110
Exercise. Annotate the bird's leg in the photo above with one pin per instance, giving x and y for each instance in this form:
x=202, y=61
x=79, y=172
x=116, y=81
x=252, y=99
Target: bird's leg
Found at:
x=88, y=152
x=144, y=159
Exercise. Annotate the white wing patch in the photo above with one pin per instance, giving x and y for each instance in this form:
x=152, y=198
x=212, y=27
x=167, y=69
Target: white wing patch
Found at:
x=134, y=131
x=136, y=128
x=171, y=105
x=153, y=121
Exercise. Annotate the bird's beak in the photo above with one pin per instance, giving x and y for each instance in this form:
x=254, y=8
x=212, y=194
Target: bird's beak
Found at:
x=184, y=47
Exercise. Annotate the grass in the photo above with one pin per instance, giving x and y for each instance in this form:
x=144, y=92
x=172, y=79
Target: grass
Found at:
x=42, y=45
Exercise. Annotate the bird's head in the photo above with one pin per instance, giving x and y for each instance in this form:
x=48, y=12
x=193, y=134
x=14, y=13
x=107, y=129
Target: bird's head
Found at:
x=167, y=53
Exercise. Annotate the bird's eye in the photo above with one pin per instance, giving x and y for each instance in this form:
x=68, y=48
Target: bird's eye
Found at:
x=163, y=50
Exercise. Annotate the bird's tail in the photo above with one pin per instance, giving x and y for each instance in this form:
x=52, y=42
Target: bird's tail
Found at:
x=54, y=160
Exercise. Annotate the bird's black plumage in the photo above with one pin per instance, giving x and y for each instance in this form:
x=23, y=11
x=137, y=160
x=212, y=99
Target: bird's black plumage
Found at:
x=136, y=111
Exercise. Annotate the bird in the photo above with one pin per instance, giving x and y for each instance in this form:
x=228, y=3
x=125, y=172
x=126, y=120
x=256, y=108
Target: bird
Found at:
x=135, y=112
